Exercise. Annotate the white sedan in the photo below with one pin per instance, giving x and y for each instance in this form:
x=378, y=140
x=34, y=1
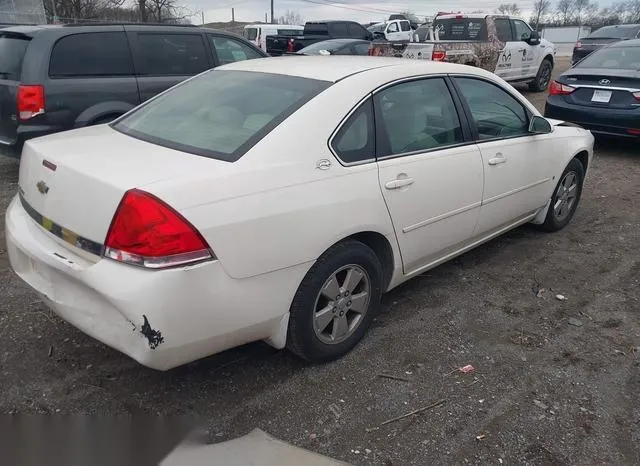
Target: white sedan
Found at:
x=277, y=200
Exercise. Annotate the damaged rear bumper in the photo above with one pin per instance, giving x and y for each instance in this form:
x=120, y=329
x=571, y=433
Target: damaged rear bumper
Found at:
x=162, y=319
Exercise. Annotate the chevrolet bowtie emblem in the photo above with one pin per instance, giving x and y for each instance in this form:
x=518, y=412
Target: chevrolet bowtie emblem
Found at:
x=42, y=187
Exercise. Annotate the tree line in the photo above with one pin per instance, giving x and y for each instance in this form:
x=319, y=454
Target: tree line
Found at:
x=157, y=11
x=577, y=13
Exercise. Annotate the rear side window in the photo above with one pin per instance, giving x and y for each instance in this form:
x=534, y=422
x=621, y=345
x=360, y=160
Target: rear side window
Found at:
x=503, y=28
x=462, y=29
x=172, y=54
x=339, y=30
x=220, y=114
x=251, y=33
x=91, y=54
x=355, y=141
x=12, y=51
x=405, y=25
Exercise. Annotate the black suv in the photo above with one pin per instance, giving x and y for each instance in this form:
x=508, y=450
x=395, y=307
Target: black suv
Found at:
x=56, y=78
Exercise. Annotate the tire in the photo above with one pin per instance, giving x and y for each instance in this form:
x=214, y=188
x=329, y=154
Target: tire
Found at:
x=543, y=78
x=554, y=221
x=318, y=339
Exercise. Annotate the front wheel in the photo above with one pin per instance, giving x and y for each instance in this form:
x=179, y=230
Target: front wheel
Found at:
x=335, y=302
x=543, y=78
x=566, y=197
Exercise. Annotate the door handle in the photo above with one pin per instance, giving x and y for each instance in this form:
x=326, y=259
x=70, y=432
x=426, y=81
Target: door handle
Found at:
x=395, y=184
x=497, y=160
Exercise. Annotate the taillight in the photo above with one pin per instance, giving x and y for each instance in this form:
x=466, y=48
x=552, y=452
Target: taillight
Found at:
x=30, y=101
x=438, y=55
x=147, y=232
x=290, y=46
x=578, y=45
x=557, y=88
x=637, y=95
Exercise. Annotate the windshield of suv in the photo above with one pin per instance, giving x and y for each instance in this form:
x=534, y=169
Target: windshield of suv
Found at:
x=615, y=32
x=614, y=58
x=12, y=51
x=220, y=114
x=468, y=29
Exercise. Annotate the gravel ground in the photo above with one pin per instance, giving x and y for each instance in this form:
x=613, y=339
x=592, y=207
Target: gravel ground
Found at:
x=555, y=382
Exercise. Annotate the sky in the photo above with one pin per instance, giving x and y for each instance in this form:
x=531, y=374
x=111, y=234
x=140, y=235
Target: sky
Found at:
x=357, y=10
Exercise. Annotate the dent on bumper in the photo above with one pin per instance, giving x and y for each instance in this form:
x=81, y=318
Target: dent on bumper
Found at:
x=162, y=319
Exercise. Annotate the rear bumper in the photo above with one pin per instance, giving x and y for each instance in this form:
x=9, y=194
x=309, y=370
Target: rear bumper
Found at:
x=597, y=120
x=13, y=148
x=162, y=319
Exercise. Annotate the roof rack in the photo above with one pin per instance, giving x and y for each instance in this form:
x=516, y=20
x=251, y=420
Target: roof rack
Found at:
x=125, y=23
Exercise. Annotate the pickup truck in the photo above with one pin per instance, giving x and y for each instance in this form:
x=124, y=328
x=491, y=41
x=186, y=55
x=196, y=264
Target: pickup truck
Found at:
x=505, y=45
x=392, y=30
x=316, y=31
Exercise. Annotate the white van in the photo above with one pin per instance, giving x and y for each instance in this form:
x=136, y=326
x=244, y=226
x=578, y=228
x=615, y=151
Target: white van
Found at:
x=257, y=33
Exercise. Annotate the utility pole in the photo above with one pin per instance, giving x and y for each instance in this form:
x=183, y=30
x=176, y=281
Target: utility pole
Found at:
x=202, y=13
x=233, y=16
x=272, y=21
x=265, y=18
x=55, y=13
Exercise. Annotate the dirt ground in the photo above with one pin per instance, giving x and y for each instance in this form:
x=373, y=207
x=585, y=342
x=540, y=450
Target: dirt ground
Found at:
x=555, y=382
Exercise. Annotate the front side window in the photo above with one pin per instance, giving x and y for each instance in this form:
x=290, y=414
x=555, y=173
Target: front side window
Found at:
x=503, y=29
x=220, y=114
x=416, y=116
x=251, y=33
x=91, y=54
x=393, y=27
x=523, y=32
x=172, y=54
x=495, y=112
x=355, y=141
x=230, y=50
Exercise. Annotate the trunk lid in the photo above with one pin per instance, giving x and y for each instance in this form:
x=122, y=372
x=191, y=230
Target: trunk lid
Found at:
x=13, y=48
x=76, y=179
x=599, y=88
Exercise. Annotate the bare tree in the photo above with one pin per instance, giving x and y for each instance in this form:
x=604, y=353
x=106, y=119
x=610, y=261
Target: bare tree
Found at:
x=584, y=9
x=540, y=10
x=565, y=10
x=291, y=17
x=509, y=9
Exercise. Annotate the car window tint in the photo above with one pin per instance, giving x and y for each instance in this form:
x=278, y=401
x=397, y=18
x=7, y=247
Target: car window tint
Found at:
x=230, y=50
x=172, y=54
x=417, y=116
x=393, y=27
x=12, y=52
x=495, y=112
x=339, y=30
x=251, y=33
x=405, y=25
x=220, y=114
x=523, y=32
x=355, y=140
x=91, y=54
x=361, y=49
x=503, y=28
x=357, y=32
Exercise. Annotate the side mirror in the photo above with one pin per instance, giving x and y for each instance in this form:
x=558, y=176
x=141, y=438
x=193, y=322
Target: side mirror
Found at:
x=534, y=38
x=539, y=125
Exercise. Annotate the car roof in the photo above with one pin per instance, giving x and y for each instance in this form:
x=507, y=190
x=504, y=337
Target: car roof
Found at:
x=626, y=43
x=620, y=26
x=336, y=68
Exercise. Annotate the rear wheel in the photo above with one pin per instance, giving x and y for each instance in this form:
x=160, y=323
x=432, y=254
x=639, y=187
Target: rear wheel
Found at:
x=335, y=302
x=543, y=78
x=565, y=198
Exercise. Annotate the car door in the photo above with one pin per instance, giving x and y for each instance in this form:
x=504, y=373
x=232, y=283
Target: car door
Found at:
x=508, y=63
x=518, y=166
x=163, y=59
x=392, y=32
x=405, y=28
x=528, y=55
x=430, y=174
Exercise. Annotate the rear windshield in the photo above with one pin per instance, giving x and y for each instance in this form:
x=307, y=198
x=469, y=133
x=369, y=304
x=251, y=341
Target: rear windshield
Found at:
x=220, y=114
x=314, y=49
x=12, y=51
x=316, y=29
x=614, y=58
x=469, y=29
x=615, y=32
x=251, y=33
